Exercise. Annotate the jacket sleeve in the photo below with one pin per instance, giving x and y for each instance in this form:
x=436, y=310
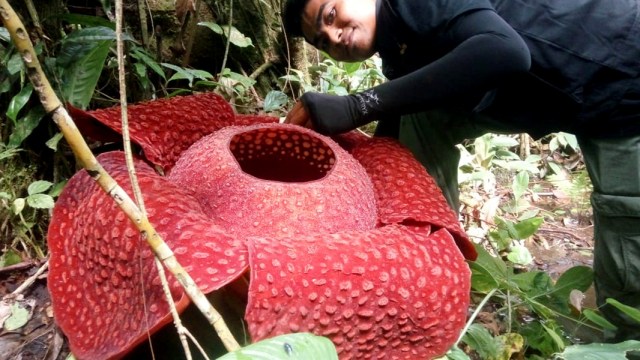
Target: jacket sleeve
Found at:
x=488, y=52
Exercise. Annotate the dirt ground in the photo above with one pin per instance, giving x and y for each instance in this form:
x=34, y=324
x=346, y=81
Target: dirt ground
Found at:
x=563, y=241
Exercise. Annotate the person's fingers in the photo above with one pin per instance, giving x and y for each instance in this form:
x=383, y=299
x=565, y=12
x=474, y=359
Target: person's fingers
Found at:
x=298, y=115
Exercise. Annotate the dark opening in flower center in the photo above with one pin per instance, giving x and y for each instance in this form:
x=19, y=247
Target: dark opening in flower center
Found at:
x=282, y=155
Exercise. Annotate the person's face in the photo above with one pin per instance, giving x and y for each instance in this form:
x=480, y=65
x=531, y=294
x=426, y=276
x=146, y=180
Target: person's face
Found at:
x=344, y=29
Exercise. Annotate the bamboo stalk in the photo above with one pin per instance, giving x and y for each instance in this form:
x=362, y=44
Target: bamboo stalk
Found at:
x=86, y=158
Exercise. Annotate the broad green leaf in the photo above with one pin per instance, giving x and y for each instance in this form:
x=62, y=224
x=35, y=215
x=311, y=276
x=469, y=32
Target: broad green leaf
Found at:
x=628, y=310
x=351, y=67
x=57, y=188
x=598, y=319
x=9, y=258
x=25, y=126
x=528, y=227
x=487, y=272
x=80, y=43
x=300, y=346
x=520, y=184
x=38, y=187
x=147, y=60
x=40, y=201
x=18, y=101
x=19, y=317
x=5, y=195
x=275, y=100
x=599, y=351
x=577, y=277
x=81, y=77
x=480, y=340
x=533, y=282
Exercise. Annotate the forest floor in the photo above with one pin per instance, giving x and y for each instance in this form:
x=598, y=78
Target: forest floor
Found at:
x=563, y=241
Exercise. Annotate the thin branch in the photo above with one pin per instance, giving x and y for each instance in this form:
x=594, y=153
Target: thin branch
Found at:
x=53, y=106
x=30, y=280
x=226, y=49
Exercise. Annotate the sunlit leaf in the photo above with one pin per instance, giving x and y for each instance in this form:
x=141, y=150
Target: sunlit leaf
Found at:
x=40, y=201
x=18, y=205
x=19, y=317
x=53, y=142
x=599, y=351
x=38, y=186
x=520, y=255
x=300, y=346
x=275, y=100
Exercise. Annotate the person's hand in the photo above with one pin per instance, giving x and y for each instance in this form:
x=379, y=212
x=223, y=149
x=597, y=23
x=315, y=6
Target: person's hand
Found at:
x=299, y=116
x=327, y=114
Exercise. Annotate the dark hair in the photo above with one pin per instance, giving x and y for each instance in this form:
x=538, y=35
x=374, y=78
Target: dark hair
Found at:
x=292, y=17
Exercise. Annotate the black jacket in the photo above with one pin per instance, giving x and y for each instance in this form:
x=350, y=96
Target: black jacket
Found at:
x=585, y=56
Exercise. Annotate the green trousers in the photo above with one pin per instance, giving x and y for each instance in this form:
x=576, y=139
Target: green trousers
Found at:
x=614, y=169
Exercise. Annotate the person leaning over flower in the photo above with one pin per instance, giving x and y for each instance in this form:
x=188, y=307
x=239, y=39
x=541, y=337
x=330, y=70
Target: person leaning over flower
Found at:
x=460, y=68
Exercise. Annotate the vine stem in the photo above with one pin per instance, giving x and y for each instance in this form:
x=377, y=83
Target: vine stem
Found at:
x=474, y=316
x=85, y=157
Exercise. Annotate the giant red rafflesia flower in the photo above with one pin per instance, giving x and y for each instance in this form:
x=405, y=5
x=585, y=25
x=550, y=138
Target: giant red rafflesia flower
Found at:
x=352, y=241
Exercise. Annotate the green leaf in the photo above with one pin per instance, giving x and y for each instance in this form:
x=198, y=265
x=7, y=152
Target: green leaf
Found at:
x=275, y=100
x=213, y=26
x=628, y=310
x=456, y=353
x=9, y=258
x=487, y=272
x=520, y=255
x=533, y=282
x=598, y=319
x=25, y=126
x=81, y=78
x=480, y=340
x=520, y=184
x=40, y=201
x=38, y=187
x=147, y=60
x=19, y=317
x=18, y=205
x=57, y=188
x=15, y=64
x=599, y=351
x=5, y=195
x=528, y=227
x=18, y=102
x=559, y=343
x=236, y=37
x=53, y=142
x=577, y=277
x=4, y=34
x=300, y=346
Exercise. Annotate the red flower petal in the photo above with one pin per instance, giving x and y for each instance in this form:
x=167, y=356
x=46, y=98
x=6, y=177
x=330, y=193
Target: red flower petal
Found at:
x=405, y=193
x=102, y=275
x=390, y=292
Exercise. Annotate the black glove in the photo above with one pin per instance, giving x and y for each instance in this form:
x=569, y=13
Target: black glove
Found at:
x=333, y=114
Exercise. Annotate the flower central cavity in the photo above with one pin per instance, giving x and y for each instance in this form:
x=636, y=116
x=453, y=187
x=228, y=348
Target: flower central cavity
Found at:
x=285, y=155
x=277, y=180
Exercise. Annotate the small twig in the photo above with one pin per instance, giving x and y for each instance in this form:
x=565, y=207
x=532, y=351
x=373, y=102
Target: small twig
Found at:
x=19, y=266
x=474, y=316
x=30, y=280
x=226, y=49
x=193, y=25
x=142, y=12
